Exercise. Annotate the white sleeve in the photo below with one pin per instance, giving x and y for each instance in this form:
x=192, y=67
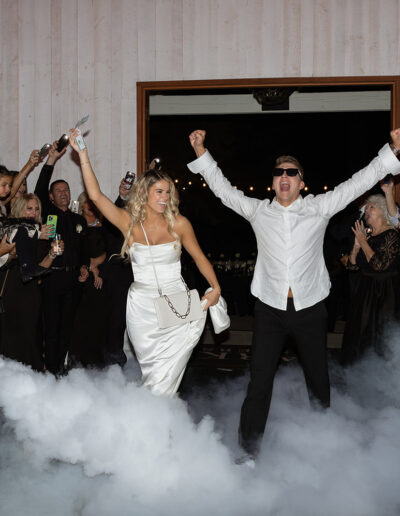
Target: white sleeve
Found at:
x=336, y=200
x=222, y=188
x=394, y=220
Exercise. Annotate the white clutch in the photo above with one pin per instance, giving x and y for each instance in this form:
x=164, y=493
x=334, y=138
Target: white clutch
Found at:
x=178, y=308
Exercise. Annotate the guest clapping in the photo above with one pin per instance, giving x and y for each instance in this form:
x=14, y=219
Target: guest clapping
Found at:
x=375, y=300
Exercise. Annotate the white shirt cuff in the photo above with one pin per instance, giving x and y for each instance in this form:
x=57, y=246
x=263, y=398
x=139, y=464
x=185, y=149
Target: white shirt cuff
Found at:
x=390, y=162
x=200, y=164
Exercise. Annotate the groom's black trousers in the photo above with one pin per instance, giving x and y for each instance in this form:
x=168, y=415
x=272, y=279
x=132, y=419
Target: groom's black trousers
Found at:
x=272, y=327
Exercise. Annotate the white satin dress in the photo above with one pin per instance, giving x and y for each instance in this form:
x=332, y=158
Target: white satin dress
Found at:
x=162, y=353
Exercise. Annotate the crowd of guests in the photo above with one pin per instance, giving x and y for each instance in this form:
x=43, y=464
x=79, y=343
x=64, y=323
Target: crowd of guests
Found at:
x=68, y=309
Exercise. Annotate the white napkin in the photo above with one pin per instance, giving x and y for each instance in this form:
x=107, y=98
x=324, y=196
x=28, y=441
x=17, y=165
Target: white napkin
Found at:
x=219, y=314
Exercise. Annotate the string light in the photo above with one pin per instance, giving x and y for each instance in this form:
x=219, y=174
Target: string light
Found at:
x=189, y=183
x=306, y=188
x=176, y=180
x=204, y=184
x=235, y=187
x=251, y=188
x=268, y=188
x=325, y=187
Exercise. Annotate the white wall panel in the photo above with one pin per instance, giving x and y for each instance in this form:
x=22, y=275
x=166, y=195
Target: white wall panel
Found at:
x=129, y=76
x=61, y=60
x=146, y=31
x=9, y=79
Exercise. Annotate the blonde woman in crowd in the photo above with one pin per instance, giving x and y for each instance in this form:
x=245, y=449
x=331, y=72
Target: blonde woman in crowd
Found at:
x=21, y=336
x=375, y=301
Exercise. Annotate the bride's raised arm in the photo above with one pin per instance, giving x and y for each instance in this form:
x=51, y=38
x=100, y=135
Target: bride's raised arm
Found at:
x=117, y=216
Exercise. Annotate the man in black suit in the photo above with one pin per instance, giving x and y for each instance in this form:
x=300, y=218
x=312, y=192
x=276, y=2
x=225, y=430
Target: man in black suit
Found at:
x=61, y=288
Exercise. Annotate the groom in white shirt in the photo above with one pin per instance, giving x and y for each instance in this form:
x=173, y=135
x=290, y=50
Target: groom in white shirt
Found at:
x=290, y=279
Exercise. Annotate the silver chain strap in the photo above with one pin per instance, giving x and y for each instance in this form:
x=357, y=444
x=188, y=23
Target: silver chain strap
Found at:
x=167, y=299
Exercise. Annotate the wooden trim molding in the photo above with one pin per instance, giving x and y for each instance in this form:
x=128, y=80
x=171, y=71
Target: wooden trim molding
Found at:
x=145, y=89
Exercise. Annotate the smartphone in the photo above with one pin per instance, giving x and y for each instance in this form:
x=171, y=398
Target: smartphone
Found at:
x=129, y=179
x=52, y=221
x=44, y=150
x=62, y=142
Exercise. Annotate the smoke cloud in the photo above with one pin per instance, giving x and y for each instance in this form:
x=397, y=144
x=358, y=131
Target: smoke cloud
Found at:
x=98, y=444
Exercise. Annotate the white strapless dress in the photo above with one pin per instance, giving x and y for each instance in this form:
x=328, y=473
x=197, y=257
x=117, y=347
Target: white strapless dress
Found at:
x=161, y=353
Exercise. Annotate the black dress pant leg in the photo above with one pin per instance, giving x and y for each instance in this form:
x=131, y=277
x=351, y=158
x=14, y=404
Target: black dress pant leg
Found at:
x=269, y=338
x=61, y=294
x=53, y=295
x=72, y=297
x=117, y=282
x=308, y=329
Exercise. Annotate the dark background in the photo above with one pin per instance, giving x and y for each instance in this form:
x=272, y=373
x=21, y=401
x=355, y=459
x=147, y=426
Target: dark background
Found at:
x=330, y=146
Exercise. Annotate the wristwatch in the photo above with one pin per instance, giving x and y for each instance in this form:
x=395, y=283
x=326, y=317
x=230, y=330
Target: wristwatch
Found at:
x=395, y=150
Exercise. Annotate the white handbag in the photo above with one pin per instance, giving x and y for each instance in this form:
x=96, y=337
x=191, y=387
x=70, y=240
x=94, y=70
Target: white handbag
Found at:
x=177, y=308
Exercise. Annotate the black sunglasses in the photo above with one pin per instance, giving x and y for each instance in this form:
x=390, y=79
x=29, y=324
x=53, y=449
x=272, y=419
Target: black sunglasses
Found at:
x=291, y=172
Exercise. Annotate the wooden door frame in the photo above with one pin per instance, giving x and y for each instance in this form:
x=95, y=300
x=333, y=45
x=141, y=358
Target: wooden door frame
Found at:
x=145, y=89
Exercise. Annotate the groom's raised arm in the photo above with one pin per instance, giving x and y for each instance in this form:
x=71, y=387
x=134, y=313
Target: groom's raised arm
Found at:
x=219, y=185
x=387, y=162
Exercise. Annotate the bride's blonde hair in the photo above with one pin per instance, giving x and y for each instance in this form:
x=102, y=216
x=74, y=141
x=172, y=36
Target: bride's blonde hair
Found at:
x=136, y=205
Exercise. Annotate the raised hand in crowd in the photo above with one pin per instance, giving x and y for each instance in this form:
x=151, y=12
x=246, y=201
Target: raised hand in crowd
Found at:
x=34, y=158
x=123, y=190
x=32, y=162
x=387, y=186
x=54, y=155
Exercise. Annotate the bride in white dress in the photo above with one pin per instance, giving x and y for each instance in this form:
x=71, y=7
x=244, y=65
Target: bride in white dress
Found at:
x=161, y=353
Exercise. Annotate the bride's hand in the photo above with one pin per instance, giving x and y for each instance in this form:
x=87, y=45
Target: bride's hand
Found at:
x=73, y=133
x=211, y=297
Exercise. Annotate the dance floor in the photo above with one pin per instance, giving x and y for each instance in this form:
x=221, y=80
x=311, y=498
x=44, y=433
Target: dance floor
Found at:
x=231, y=350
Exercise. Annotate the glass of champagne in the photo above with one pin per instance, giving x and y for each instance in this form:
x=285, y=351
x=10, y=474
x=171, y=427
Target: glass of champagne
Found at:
x=57, y=247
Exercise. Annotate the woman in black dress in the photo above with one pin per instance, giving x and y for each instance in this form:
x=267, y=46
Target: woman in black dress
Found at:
x=21, y=336
x=375, y=298
x=90, y=325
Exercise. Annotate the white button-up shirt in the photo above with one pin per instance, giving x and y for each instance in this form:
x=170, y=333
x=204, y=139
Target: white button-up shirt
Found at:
x=290, y=239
